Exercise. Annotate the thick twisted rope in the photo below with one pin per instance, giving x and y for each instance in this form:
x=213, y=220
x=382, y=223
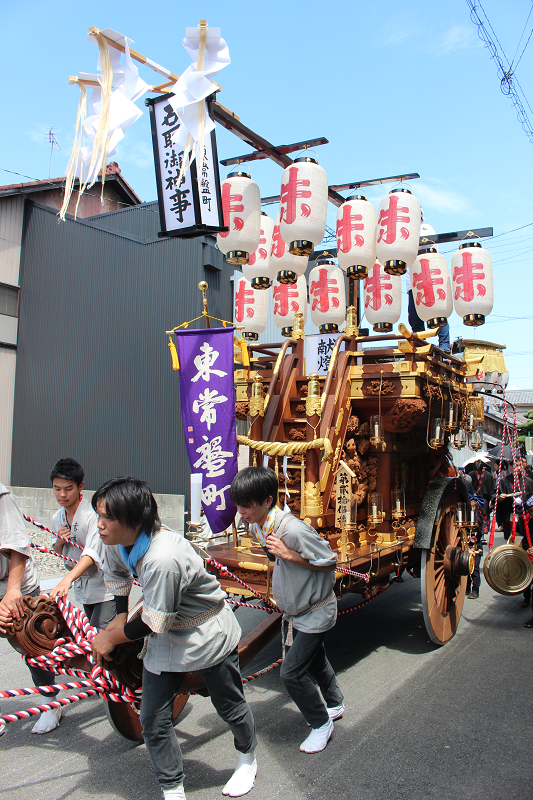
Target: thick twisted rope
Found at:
x=288, y=448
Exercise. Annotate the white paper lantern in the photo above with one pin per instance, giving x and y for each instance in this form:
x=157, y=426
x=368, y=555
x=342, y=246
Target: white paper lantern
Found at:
x=259, y=269
x=250, y=309
x=288, y=300
x=432, y=290
x=398, y=231
x=327, y=296
x=286, y=267
x=472, y=283
x=241, y=205
x=356, y=236
x=382, y=298
x=304, y=205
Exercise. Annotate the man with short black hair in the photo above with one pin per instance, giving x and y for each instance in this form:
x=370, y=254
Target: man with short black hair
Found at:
x=190, y=628
x=302, y=585
x=76, y=521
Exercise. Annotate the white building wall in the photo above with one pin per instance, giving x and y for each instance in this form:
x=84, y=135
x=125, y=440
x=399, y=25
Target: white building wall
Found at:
x=8, y=358
x=11, y=217
x=11, y=214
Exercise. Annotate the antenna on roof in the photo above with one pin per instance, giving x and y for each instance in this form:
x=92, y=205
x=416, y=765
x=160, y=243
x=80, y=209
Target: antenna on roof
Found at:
x=53, y=141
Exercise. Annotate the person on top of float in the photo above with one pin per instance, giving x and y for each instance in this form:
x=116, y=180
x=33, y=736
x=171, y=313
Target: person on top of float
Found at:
x=188, y=625
x=18, y=577
x=302, y=586
x=76, y=521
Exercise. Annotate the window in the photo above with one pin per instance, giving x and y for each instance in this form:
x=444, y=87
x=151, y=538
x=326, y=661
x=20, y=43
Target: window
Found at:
x=9, y=300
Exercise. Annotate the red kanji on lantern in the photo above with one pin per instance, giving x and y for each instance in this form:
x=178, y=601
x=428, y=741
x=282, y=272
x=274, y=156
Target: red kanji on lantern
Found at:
x=375, y=284
x=281, y=294
x=465, y=275
x=263, y=252
x=278, y=244
x=244, y=298
x=231, y=203
x=345, y=225
x=390, y=217
x=289, y=193
x=321, y=289
x=425, y=282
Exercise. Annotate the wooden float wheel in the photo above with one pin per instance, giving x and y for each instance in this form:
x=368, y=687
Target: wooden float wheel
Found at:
x=443, y=594
x=124, y=719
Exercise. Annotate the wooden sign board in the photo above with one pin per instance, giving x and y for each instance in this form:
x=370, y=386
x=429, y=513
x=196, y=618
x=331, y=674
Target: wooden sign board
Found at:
x=343, y=496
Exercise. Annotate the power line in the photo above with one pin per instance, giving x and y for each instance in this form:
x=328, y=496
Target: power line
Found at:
x=526, y=44
x=53, y=185
x=506, y=73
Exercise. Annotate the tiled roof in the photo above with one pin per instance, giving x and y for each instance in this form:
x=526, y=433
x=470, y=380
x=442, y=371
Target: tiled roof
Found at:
x=113, y=173
x=520, y=397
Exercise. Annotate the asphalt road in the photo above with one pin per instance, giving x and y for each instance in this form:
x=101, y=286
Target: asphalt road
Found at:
x=421, y=722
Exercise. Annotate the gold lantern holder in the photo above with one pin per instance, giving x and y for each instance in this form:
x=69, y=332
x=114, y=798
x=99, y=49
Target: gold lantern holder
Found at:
x=376, y=426
x=195, y=532
x=376, y=514
x=436, y=439
x=459, y=440
x=476, y=439
x=450, y=418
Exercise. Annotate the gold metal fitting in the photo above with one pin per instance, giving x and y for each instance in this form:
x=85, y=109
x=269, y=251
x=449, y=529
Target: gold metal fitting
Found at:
x=351, y=322
x=298, y=327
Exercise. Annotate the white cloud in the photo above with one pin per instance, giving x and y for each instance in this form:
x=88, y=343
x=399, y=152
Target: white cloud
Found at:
x=393, y=34
x=439, y=198
x=458, y=37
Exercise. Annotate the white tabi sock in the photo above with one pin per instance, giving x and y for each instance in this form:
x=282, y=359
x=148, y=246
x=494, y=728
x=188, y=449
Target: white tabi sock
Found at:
x=48, y=721
x=242, y=780
x=318, y=738
x=177, y=793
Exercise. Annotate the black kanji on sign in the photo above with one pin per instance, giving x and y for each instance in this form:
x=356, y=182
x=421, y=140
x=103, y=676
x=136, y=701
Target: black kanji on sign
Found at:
x=180, y=203
x=167, y=135
x=171, y=117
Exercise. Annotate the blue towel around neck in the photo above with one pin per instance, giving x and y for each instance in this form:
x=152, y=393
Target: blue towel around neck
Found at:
x=142, y=543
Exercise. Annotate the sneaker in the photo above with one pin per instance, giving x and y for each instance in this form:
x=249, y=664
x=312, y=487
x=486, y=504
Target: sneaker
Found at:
x=48, y=721
x=317, y=739
x=335, y=712
x=243, y=779
x=473, y=595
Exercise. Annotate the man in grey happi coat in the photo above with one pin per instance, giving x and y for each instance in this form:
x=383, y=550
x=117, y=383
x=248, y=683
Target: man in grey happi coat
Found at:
x=302, y=585
x=187, y=622
x=18, y=577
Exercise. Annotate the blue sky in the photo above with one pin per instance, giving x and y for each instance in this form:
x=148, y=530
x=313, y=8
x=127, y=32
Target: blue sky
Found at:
x=395, y=87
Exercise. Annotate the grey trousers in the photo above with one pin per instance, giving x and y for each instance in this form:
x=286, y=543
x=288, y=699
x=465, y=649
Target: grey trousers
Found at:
x=306, y=662
x=100, y=614
x=225, y=688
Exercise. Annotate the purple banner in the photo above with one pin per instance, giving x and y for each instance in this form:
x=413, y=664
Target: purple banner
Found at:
x=208, y=410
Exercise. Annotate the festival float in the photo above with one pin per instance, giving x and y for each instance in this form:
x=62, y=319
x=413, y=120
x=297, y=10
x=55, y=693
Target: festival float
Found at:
x=357, y=426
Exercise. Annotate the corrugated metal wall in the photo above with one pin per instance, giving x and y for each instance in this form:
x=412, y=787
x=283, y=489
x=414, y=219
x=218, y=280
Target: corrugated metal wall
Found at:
x=140, y=221
x=94, y=378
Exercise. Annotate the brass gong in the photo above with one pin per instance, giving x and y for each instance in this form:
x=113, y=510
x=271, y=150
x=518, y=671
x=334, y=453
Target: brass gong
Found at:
x=508, y=569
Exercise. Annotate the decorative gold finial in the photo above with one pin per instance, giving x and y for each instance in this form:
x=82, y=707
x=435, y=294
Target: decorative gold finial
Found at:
x=257, y=403
x=351, y=322
x=298, y=327
x=312, y=401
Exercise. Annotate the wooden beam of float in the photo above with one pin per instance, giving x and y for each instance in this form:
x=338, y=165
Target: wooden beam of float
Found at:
x=281, y=148
x=135, y=55
x=234, y=125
